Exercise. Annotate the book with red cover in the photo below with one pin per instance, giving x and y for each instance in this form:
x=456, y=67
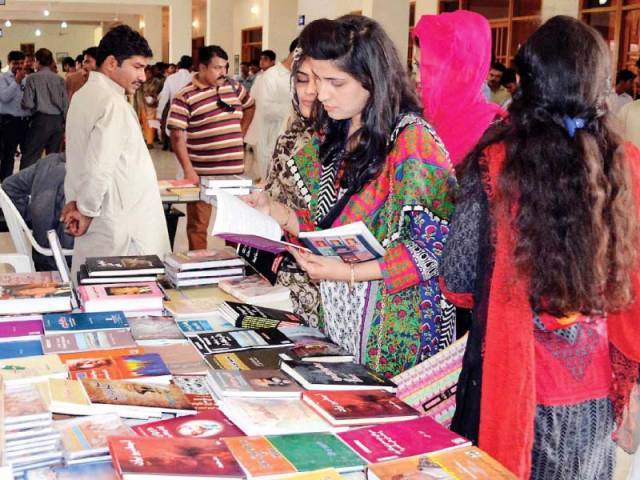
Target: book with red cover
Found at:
x=120, y=367
x=380, y=443
x=364, y=407
x=189, y=457
x=209, y=424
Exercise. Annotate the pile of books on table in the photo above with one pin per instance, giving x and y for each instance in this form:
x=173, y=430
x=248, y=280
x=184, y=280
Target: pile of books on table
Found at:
x=129, y=269
x=178, y=190
x=203, y=267
x=245, y=391
x=231, y=184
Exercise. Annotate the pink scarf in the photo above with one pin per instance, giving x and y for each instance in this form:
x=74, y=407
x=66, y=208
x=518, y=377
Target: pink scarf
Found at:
x=454, y=63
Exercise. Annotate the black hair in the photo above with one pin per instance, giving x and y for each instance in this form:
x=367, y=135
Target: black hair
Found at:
x=123, y=43
x=270, y=54
x=624, y=76
x=508, y=76
x=44, y=57
x=15, y=56
x=293, y=45
x=68, y=61
x=92, y=52
x=206, y=54
x=254, y=63
x=360, y=47
x=498, y=66
x=79, y=58
x=575, y=221
x=185, y=62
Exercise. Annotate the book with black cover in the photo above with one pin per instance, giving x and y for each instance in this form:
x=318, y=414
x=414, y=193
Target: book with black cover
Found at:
x=335, y=376
x=218, y=342
x=124, y=266
x=253, y=359
x=244, y=315
x=85, y=279
x=265, y=264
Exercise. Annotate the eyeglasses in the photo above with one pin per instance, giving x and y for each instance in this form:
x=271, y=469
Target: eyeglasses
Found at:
x=222, y=104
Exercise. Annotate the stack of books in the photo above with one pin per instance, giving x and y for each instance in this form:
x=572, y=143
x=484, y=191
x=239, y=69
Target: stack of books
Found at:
x=231, y=184
x=203, y=267
x=137, y=299
x=30, y=439
x=23, y=293
x=258, y=291
x=127, y=269
x=178, y=190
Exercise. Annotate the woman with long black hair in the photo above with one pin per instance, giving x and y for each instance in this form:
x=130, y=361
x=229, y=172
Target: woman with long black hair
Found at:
x=544, y=246
x=375, y=160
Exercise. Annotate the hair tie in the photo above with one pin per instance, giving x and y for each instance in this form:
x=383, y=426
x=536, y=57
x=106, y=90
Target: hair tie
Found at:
x=571, y=124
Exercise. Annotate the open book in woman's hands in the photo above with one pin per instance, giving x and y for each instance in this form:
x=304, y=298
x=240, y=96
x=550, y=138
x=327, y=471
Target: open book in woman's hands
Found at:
x=238, y=222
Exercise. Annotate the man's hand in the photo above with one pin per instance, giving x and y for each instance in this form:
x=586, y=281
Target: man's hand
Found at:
x=20, y=74
x=76, y=224
x=192, y=176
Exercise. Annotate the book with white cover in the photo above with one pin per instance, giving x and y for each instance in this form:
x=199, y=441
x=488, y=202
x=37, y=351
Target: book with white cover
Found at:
x=226, y=181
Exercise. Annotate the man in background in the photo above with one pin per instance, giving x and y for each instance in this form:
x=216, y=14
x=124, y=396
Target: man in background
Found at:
x=38, y=194
x=267, y=59
x=245, y=77
x=172, y=85
x=45, y=96
x=68, y=65
x=273, y=105
x=623, y=91
x=499, y=94
x=76, y=81
x=113, y=201
x=14, y=120
x=207, y=120
x=28, y=64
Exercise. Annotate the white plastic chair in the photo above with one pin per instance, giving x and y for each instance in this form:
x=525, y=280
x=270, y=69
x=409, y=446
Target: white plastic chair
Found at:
x=20, y=233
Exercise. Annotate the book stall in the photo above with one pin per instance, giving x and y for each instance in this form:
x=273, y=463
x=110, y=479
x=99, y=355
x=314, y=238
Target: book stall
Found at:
x=193, y=366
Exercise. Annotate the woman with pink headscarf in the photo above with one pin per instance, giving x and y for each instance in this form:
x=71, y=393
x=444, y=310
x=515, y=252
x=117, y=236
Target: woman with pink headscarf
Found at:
x=454, y=59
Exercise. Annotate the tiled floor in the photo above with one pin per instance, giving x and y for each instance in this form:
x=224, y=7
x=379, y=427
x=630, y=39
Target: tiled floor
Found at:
x=166, y=167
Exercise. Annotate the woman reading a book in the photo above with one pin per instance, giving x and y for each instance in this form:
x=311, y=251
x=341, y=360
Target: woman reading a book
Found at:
x=285, y=184
x=373, y=159
x=544, y=246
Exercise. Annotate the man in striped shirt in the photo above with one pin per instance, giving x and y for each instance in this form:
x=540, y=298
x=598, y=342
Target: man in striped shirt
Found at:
x=208, y=119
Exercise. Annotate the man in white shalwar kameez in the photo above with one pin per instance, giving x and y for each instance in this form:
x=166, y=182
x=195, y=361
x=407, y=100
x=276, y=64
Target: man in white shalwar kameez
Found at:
x=114, y=206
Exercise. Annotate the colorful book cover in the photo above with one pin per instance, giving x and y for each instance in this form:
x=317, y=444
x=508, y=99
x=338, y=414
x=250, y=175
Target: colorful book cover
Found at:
x=30, y=369
x=116, y=292
x=194, y=457
x=214, y=323
x=469, y=463
x=258, y=456
x=210, y=424
x=21, y=328
x=83, y=322
x=324, y=474
x=116, y=392
x=83, y=341
x=126, y=367
x=273, y=416
x=353, y=243
x=253, y=383
x=328, y=452
x=253, y=359
x=362, y=407
x=390, y=441
x=314, y=349
x=334, y=376
x=67, y=392
x=154, y=328
x=34, y=291
x=20, y=348
x=87, y=436
x=196, y=389
x=254, y=289
x=180, y=358
x=101, y=353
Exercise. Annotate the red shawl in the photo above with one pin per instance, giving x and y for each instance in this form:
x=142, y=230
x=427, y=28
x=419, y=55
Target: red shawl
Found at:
x=508, y=403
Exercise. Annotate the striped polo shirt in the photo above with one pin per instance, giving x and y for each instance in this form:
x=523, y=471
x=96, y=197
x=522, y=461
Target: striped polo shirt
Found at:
x=214, y=136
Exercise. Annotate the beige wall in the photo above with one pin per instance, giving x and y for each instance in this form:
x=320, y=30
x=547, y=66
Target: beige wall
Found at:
x=280, y=26
x=71, y=40
x=200, y=21
x=560, y=7
x=179, y=29
x=152, y=31
x=244, y=18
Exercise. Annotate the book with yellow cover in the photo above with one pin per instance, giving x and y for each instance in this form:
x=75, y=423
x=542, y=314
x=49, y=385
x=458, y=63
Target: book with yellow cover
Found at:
x=32, y=369
x=324, y=474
